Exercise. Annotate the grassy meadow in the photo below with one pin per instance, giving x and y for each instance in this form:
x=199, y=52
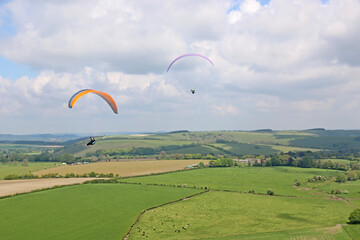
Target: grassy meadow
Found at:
x=329, y=233
x=90, y=211
x=217, y=214
x=353, y=188
x=353, y=231
x=19, y=169
x=278, y=179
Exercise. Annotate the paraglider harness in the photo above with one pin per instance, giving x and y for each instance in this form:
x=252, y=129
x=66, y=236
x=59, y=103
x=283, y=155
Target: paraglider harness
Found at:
x=92, y=141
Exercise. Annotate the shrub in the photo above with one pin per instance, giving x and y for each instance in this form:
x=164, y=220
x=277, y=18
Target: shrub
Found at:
x=341, y=178
x=354, y=217
x=11, y=177
x=345, y=192
x=270, y=192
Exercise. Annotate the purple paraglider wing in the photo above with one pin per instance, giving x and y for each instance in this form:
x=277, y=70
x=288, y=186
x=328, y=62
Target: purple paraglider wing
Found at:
x=186, y=55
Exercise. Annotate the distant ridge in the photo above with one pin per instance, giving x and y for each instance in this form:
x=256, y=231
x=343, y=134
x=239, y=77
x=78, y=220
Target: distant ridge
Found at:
x=316, y=129
x=263, y=130
x=39, y=137
x=179, y=131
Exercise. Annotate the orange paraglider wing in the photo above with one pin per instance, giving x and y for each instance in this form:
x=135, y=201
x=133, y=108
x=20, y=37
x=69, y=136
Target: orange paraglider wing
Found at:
x=104, y=95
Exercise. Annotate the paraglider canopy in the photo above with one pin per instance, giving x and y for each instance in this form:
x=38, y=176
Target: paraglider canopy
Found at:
x=187, y=55
x=104, y=95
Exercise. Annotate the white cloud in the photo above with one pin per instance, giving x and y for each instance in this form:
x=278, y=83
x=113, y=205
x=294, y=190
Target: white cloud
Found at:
x=282, y=59
x=227, y=109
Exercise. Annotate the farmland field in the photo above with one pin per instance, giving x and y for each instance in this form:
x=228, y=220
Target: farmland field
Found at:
x=19, y=169
x=235, y=142
x=9, y=187
x=126, y=168
x=329, y=233
x=219, y=214
x=90, y=211
x=278, y=179
x=353, y=188
x=353, y=231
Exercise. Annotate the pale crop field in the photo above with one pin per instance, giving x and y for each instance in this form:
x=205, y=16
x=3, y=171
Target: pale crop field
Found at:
x=10, y=187
x=128, y=168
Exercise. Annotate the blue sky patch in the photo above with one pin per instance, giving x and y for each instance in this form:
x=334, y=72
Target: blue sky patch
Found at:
x=7, y=27
x=13, y=70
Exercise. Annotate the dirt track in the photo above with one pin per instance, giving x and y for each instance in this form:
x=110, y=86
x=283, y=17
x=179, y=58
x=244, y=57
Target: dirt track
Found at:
x=8, y=187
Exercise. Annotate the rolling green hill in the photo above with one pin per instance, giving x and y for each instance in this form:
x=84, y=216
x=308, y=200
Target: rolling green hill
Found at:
x=211, y=142
x=225, y=142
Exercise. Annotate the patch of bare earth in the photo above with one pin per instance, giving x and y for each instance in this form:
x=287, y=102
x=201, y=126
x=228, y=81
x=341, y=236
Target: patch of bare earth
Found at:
x=9, y=187
x=334, y=230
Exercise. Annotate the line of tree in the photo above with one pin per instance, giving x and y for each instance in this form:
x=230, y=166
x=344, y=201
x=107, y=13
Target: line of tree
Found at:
x=307, y=161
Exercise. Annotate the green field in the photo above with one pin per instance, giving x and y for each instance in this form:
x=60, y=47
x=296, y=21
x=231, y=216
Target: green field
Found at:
x=91, y=211
x=228, y=211
x=353, y=231
x=279, y=179
x=353, y=188
x=219, y=214
x=330, y=233
x=19, y=169
x=244, y=148
x=203, y=149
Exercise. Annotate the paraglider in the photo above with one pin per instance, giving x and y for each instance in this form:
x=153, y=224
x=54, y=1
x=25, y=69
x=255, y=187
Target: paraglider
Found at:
x=104, y=95
x=187, y=55
x=92, y=141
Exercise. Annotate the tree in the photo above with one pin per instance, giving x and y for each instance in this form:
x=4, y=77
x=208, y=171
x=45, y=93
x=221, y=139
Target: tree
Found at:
x=354, y=217
x=340, y=178
x=25, y=162
x=307, y=162
x=68, y=158
x=163, y=154
x=276, y=160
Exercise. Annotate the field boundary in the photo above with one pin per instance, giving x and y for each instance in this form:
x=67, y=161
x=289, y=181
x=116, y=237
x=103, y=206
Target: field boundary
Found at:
x=342, y=227
x=157, y=206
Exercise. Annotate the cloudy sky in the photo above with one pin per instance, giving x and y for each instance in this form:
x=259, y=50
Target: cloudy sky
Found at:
x=280, y=64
